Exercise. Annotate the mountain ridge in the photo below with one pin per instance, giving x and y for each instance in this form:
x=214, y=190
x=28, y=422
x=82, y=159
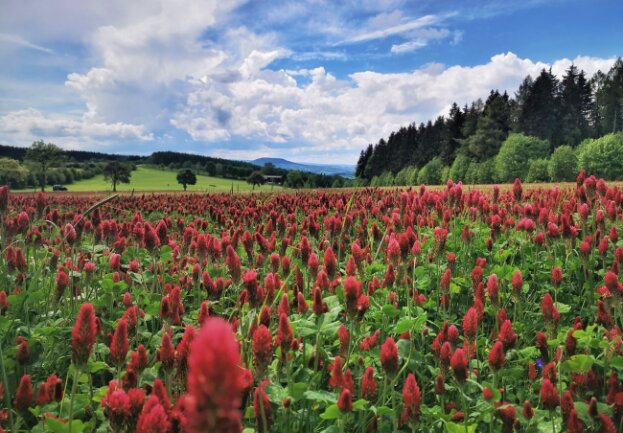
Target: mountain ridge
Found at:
x=344, y=170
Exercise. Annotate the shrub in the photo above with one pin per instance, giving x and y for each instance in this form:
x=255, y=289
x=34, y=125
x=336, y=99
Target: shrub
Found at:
x=405, y=176
x=563, y=164
x=413, y=176
x=603, y=157
x=538, y=171
x=386, y=179
x=480, y=172
x=516, y=153
x=458, y=170
x=12, y=173
x=431, y=173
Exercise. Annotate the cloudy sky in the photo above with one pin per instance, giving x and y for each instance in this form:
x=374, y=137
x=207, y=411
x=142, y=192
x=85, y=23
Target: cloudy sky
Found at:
x=309, y=80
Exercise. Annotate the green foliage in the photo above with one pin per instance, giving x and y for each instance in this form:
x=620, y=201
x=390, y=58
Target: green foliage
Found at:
x=458, y=170
x=12, y=173
x=430, y=174
x=608, y=110
x=538, y=171
x=539, y=111
x=514, y=158
x=560, y=111
x=445, y=174
x=186, y=177
x=295, y=179
x=363, y=161
x=214, y=166
x=153, y=179
x=40, y=156
x=338, y=183
x=255, y=178
x=401, y=179
x=387, y=179
x=117, y=172
x=575, y=107
x=492, y=127
x=563, y=164
x=405, y=176
x=300, y=179
x=603, y=157
x=481, y=172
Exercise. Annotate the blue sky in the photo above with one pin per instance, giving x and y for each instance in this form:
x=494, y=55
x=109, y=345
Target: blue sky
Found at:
x=307, y=80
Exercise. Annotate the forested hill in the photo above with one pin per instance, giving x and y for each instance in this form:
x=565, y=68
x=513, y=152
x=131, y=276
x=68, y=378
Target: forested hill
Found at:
x=18, y=153
x=563, y=111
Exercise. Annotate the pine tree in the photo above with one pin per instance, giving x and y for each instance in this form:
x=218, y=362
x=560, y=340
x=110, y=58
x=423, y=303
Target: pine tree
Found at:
x=377, y=161
x=609, y=99
x=492, y=128
x=364, y=156
x=521, y=95
x=573, y=124
x=452, y=134
x=539, y=114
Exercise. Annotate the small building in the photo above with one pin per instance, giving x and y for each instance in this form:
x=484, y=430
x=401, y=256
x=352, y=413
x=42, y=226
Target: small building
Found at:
x=272, y=179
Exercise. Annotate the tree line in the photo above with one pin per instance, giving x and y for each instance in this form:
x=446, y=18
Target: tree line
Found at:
x=45, y=164
x=548, y=124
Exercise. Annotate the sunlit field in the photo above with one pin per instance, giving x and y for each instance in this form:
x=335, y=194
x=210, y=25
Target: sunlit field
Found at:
x=152, y=179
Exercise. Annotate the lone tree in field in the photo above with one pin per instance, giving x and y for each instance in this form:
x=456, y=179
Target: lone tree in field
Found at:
x=41, y=157
x=255, y=178
x=186, y=177
x=117, y=172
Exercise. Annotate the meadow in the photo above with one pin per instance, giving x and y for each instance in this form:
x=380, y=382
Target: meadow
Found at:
x=146, y=178
x=362, y=310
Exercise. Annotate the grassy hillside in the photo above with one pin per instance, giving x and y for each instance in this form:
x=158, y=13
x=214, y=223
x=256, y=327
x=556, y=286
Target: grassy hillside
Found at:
x=153, y=179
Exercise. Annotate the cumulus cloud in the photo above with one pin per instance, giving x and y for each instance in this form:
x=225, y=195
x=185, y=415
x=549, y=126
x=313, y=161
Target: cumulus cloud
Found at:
x=185, y=68
x=145, y=65
x=329, y=115
x=31, y=124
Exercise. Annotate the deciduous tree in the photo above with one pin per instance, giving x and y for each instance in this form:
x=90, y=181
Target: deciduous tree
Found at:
x=41, y=156
x=186, y=177
x=255, y=178
x=117, y=172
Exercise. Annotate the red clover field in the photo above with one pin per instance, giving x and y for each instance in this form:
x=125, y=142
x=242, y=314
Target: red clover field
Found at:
x=363, y=310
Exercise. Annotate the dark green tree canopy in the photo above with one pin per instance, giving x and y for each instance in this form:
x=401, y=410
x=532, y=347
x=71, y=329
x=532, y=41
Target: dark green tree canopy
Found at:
x=516, y=154
x=255, y=178
x=12, y=173
x=563, y=164
x=42, y=156
x=562, y=110
x=117, y=172
x=539, y=113
x=186, y=177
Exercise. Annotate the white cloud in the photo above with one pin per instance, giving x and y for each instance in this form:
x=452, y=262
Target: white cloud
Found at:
x=145, y=64
x=588, y=64
x=395, y=29
x=408, y=46
x=150, y=69
x=339, y=117
x=422, y=37
x=20, y=41
x=25, y=126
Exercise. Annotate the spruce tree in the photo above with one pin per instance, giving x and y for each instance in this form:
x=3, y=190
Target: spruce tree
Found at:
x=539, y=114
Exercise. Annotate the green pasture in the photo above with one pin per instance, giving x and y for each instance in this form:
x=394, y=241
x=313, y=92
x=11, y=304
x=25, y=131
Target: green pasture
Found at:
x=153, y=179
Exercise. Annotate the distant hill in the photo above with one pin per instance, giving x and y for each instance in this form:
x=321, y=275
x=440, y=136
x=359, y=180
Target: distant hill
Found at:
x=72, y=155
x=328, y=169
